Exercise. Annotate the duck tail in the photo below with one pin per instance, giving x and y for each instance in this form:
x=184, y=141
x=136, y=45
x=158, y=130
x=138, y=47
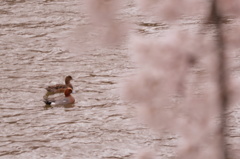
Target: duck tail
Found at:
x=47, y=102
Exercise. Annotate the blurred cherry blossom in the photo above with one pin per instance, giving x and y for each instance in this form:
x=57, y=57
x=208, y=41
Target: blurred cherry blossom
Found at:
x=176, y=86
x=172, y=9
x=103, y=13
x=230, y=7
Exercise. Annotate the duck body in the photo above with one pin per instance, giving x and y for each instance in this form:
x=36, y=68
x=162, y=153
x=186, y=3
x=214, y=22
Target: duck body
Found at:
x=61, y=100
x=60, y=88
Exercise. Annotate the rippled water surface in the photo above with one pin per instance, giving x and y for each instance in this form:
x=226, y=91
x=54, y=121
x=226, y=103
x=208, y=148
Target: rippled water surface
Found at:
x=32, y=56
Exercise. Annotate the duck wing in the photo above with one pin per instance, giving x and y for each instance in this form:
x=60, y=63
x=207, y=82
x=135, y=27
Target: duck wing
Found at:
x=58, y=88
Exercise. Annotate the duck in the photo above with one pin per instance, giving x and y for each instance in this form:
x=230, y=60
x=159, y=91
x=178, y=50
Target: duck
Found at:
x=59, y=88
x=61, y=100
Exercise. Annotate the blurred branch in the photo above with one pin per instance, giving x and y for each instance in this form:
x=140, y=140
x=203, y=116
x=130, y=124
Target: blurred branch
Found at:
x=222, y=76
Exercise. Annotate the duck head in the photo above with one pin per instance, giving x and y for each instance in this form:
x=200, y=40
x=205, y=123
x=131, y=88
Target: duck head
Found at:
x=68, y=79
x=68, y=91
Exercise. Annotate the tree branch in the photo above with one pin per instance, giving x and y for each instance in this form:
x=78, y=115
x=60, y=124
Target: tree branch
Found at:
x=222, y=76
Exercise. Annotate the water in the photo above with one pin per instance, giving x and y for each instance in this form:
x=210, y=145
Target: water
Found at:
x=32, y=57
x=99, y=125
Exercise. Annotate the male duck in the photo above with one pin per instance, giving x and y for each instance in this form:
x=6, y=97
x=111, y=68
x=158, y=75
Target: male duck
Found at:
x=59, y=88
x=62, y=100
